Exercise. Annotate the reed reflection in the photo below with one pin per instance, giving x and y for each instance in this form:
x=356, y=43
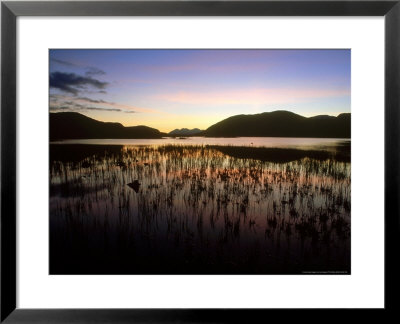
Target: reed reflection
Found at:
x=198, y=209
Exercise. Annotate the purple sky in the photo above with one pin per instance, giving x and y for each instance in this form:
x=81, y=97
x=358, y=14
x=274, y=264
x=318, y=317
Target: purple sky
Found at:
x=168, y=89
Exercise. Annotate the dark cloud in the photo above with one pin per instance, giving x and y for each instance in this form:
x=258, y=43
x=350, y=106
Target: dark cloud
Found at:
x=94, y=100
x=73, y=104
x=60, y=103
x=91, y=70
x=104, y=109
x=68, y=105
x=73, y=83
x=94, y=71
x=77, y=107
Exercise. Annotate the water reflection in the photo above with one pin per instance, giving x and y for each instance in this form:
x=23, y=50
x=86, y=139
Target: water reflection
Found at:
x=320, y=144
x=197, y=209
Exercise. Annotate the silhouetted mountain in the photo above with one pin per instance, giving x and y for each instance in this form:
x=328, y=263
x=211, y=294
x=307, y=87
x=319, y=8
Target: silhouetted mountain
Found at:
x=72, y=125
x=185, y=132
x=282, y=124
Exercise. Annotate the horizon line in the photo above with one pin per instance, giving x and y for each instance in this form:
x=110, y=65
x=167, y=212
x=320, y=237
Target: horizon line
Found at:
x=177, y=128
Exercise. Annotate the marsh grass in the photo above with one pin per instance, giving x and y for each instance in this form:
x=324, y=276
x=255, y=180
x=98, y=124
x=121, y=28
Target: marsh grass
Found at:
x=198, y=209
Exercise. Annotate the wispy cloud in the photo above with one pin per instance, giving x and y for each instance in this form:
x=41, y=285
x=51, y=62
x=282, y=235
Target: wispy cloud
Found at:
x=252, y=96
x=94, y=71
x=70, y=106
x=62, y=62
x=58, y=100
x=60, y=103
x=76, y=109
x=94, y=100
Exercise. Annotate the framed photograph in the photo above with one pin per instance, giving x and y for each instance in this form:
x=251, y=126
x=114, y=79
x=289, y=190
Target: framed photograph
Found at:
x=162, y=160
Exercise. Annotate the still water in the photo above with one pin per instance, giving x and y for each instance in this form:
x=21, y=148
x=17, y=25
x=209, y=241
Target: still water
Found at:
x=281, y=142
x=174, y=206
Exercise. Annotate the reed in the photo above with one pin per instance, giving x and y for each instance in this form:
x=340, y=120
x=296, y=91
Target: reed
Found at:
x=197, y=209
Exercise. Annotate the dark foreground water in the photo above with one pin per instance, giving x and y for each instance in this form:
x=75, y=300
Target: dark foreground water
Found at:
x=199, y=209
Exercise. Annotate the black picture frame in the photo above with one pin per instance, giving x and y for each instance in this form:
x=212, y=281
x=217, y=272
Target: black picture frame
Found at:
x=10, y=10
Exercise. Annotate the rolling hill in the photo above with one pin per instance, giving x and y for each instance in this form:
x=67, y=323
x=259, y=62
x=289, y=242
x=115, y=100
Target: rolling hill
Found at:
x=72, y=125
x=282, y=124
x=185, y=132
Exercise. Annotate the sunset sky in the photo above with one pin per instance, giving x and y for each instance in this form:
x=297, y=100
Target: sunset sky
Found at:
x=168, y=89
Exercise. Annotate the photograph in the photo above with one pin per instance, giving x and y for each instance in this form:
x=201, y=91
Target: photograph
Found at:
x=199, y=161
